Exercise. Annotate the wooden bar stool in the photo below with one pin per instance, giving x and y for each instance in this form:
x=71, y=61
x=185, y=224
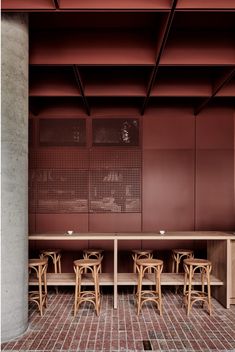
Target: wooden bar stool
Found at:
x=142, y=296
x=92, y=265
x=93, y=254
x=141, y=254
x=55, y=255
x=190, y=295
x=177, y=256
x=40, y=296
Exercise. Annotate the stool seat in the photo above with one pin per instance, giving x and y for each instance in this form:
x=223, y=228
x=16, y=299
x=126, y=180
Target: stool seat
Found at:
x=50, y=251
x=182, y=251
x=86, y=262
x=39, y=297
x=149, y=262
x=92, y=296
x=142, y=251
x=92, y=250
x=143, y=266
x=191, y=296
x=197, y=261
x=36, y=262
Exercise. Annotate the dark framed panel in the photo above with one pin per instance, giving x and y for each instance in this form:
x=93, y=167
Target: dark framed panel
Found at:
x=62, y=132
x=115, y=132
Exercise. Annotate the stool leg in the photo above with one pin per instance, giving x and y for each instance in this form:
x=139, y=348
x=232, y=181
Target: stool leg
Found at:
x=203, y=287
x=134, y=263
x=59, y=263
x=150, y=257
x=209, y=290
x=45, y=285
x=40, y=290
x=189, y=290
x=55, y=263
x=134, y=256
x=139, y=289
x=184, y=302
x=55, y=270
x=185, y=281
x=158, y=290
x=100, y=267
x=85, y=256
x=76, y=293
x=173, y=264
x=177, y=264
x=97, y=303
x=177, y=270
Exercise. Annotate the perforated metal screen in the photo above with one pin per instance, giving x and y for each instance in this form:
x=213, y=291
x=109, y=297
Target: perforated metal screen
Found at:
x=59, y=158
x=72, y=179
x=116, y=190
x=115, y=158
x=58, y=191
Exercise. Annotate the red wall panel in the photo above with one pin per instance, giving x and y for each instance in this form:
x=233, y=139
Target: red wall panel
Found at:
x=168, y=128
x=129, y=222
x=168, y=190
x=215, y=190
x=61, y=222
x=168, y=169
x=215, y=170
x=214, y=129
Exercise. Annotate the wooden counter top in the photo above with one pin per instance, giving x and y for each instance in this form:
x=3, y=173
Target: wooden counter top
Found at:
x=177, y=235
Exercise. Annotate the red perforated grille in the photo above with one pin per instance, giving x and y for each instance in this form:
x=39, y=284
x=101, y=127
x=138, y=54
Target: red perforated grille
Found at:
x=79, y=179
x=32, y=159
x=32, y=190
x=31, y=133
x=59, y=158
x=117, y=190
x=115, y=158
x=59, y=191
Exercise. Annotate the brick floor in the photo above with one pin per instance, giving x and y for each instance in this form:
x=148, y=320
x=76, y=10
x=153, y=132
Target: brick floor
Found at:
x=122, y=330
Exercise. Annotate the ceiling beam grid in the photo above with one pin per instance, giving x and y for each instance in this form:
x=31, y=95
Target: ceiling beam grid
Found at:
x=159, y=54
x=81, y=88
x=224, y=80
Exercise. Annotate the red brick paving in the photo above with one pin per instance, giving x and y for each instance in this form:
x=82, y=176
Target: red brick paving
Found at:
x=122, y=330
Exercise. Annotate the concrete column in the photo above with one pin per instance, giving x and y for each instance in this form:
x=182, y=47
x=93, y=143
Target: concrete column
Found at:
x=14, y=179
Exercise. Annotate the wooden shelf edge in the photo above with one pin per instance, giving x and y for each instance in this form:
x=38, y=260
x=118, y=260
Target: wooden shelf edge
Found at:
x=124, y=279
